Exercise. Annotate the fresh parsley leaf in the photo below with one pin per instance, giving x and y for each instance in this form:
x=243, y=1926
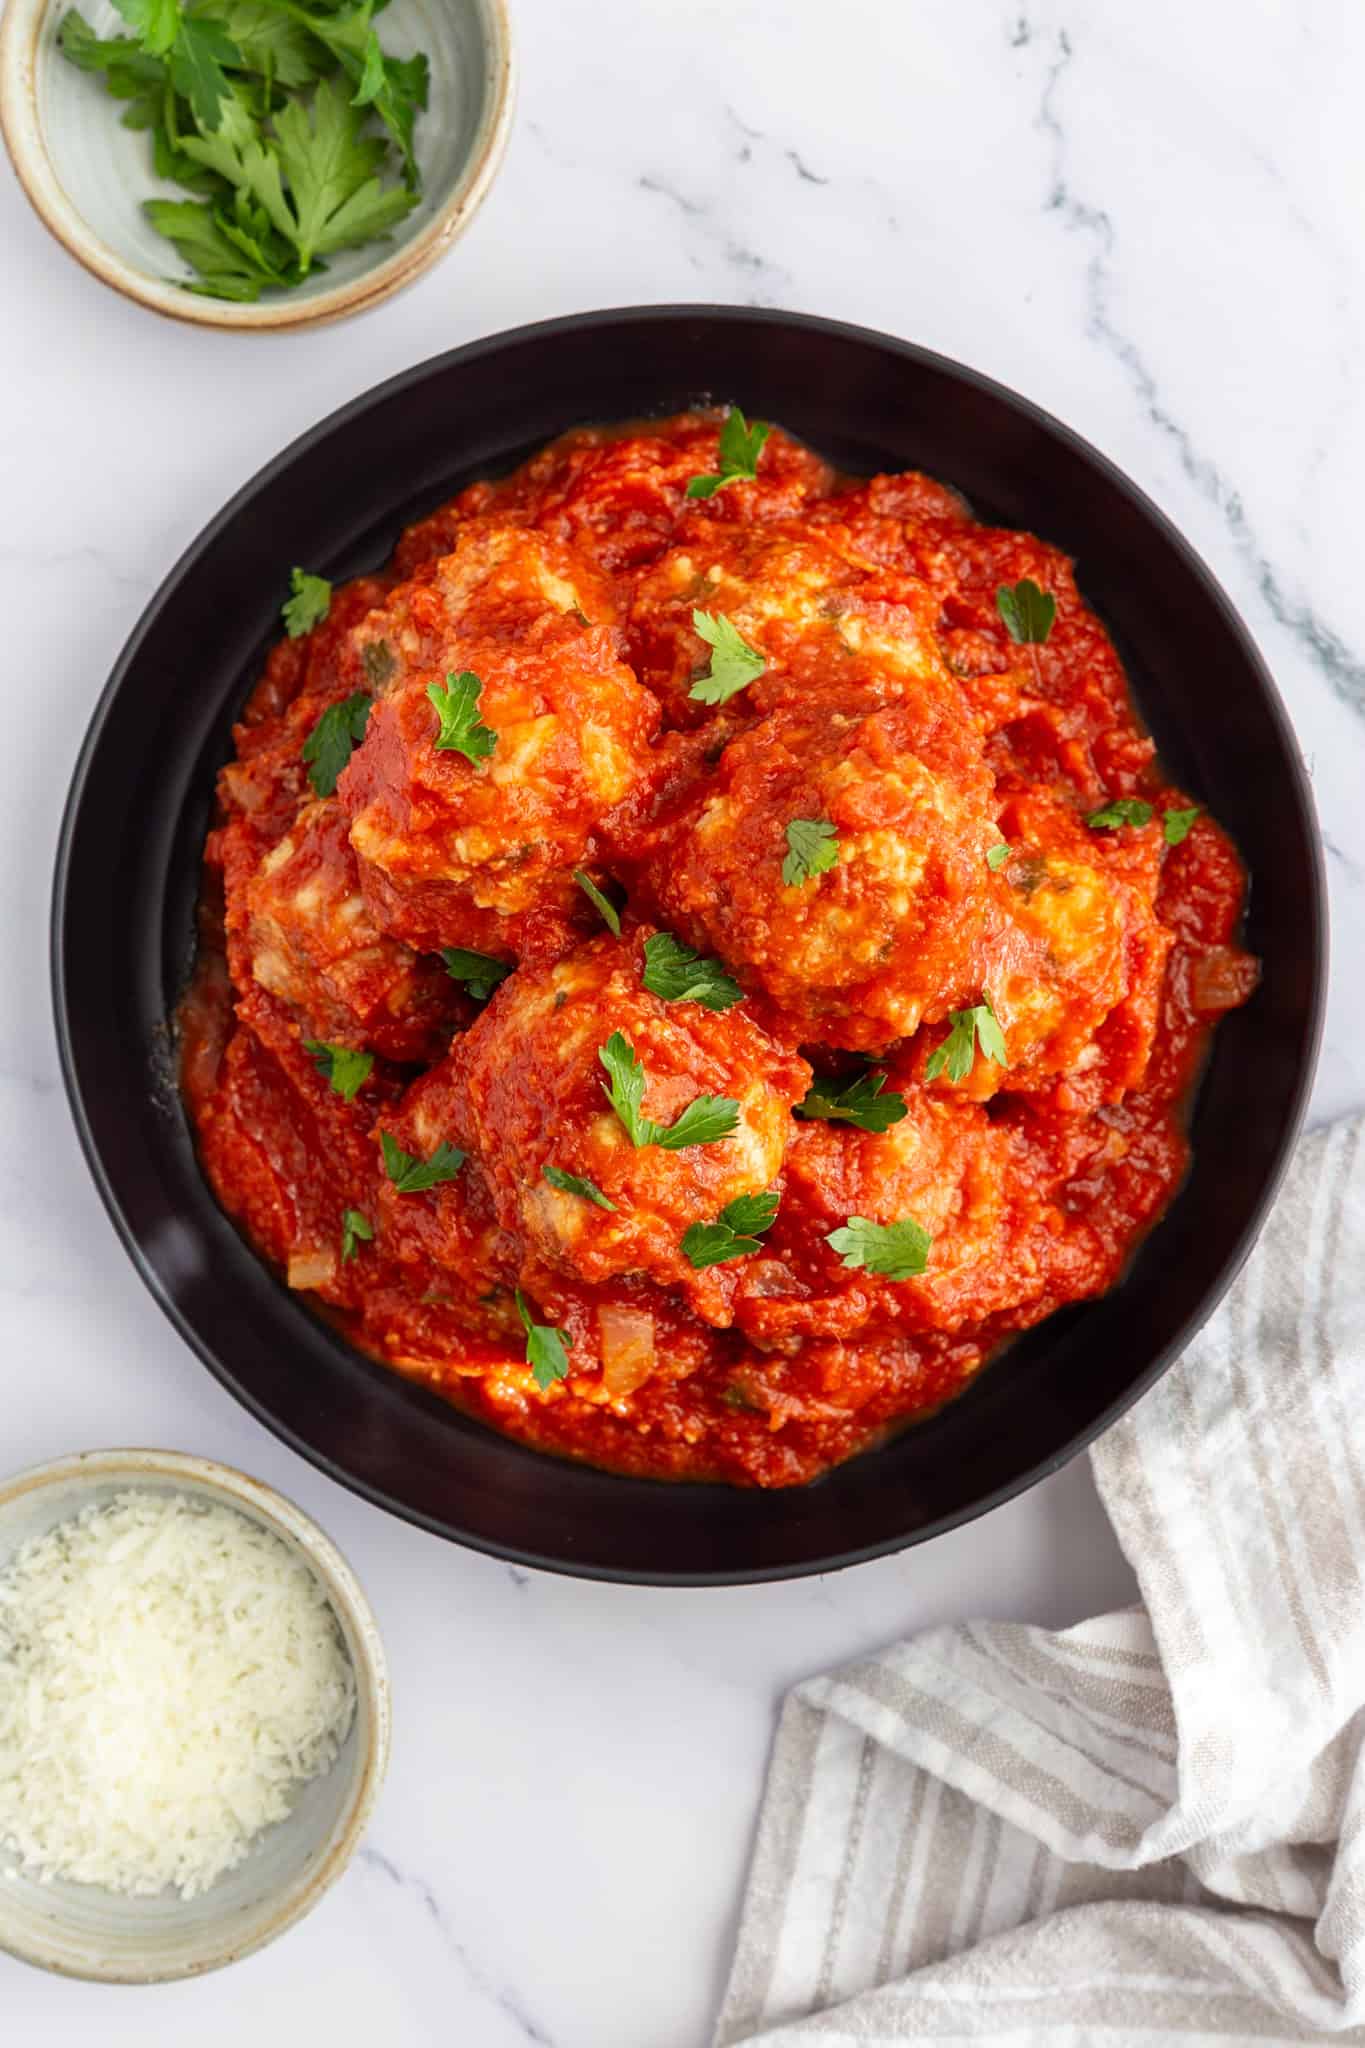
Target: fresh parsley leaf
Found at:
x=155, y=23
x=1175, y=825
x=605, y=909
x=457, y=706
x=220, y=87
x=330, y=744
x=403, y=92
x=170, y=161
x=407, y=82
x=479, y=972
x=733, y=1235
x=412, y=1176
x=78, y=42
x=238, y=156
x=546, y=1348
x=1125, y=810
x=371, y=81
x=996, y=856
x=625, y=1087
x=740, y=447
x=309, y=605
x=272, y=43
x=677, y=974
x=335, y=197
x=251, y=234
x=899, y=1250
x=201, y=50
x=734, y=663
x=861, y=1103
x=957, y=1053
x=354, y=1228
x=813, y=847
x=1027, y=611
x=224, y=272
x=705, y=1121
x=576, y=1184
x=752, y=1214
x=345, y=1070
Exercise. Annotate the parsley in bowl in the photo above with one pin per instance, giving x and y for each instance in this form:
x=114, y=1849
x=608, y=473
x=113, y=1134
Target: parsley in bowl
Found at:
x=256, y=163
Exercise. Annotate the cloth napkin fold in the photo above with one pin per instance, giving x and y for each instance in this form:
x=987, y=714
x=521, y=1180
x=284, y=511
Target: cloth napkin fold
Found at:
x=1151, y=1825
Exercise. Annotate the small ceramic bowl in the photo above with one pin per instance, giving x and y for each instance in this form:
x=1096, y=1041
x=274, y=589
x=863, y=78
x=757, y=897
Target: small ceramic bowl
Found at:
x=81, y=1931
x=87, y=175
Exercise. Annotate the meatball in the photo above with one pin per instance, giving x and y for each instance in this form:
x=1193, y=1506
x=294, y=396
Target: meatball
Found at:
x=527, y=1091
x=457, y=850
x=896, y=930
x=619, y=499
x=987, y=1198
x=822, y=615
x=1076, y=976
x=310, y=940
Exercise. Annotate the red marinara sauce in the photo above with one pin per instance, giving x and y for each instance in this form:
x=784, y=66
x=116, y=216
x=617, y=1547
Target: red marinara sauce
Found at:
x=956, y=858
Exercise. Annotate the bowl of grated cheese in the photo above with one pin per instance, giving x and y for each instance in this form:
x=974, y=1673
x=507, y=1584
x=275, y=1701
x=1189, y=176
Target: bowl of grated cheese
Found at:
x=194, y=1715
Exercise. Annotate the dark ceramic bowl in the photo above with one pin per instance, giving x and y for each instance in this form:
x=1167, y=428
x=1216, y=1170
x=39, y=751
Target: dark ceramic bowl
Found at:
x=128, y=872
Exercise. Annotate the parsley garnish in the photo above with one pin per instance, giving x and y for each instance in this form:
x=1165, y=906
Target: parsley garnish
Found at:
x=734, y=663
x=344, y=1069
x=1027, y=611
x=996, y=856
x=155, y=23
x=736, y=1396
x=733, y=1235
x=412, y=1176
x=546, y=1348
x=1125, y=810
x=576, y=1184
x=330, y=744
x=705, y=1121
x=675, y=972
x=457, y=706
x=814, y=848
x=899, y=1250
x=262, y=108
x=861, y=1103
x=479, y=972
x=740, y=447
x=957, y=1053
x=605, y=908
x=378, y=661
x=310, y=604
x=1175, y=825
x=354, y=1228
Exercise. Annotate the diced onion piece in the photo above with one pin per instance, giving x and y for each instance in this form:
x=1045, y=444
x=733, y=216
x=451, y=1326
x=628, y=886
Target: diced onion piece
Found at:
x=627, y=1348
x=246, y=789
x=1221, y=979
x=312, y=1269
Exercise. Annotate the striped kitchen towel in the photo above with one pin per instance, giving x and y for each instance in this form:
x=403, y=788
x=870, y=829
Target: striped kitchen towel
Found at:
x=1151, y=1825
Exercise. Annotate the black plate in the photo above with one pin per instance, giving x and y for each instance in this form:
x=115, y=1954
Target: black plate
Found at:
x=128, y=865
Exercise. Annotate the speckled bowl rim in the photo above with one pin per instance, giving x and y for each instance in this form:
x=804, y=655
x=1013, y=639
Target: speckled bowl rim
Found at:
x=22, y=131
x=369, y=1662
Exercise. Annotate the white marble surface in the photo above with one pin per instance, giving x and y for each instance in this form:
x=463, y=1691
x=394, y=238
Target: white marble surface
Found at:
x=1147, y=219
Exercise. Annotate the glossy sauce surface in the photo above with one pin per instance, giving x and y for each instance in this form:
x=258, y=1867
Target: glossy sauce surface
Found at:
x=895, y=708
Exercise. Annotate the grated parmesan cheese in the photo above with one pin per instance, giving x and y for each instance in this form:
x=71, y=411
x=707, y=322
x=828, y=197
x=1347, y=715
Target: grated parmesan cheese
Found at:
x=170, y=1673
